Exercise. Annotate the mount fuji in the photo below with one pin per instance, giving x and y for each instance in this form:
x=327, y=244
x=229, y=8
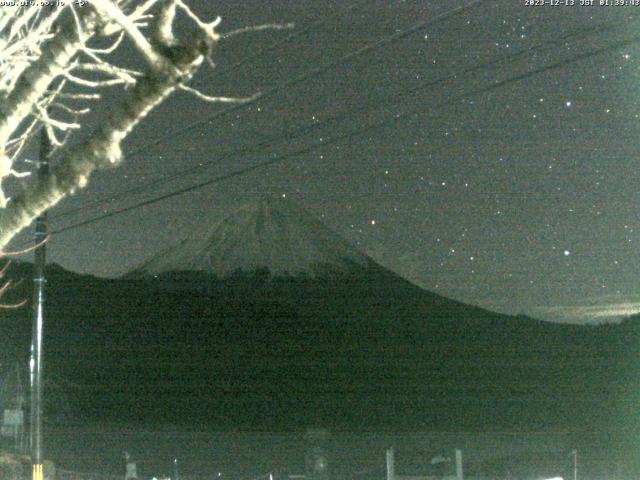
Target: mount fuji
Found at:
x=273, y=234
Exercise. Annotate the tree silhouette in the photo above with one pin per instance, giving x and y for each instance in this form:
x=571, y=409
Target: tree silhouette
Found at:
x=54, y=63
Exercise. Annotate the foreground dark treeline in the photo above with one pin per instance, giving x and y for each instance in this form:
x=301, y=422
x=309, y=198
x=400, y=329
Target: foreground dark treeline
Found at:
x=358, y=350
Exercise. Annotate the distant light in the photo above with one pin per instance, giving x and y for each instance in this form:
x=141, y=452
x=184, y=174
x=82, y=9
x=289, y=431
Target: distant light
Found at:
x=373, y=222
x=567, y=253
x=554, y=478
x=568, y=103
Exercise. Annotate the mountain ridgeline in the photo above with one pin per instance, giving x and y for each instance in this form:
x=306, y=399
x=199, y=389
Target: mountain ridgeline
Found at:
x=268, y=320
x=274, y=235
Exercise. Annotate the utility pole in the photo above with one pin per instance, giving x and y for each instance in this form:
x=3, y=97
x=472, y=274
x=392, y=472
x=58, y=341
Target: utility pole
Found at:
x=459, y=470
x=35, y=363
x=20, y=437
x=391, y=464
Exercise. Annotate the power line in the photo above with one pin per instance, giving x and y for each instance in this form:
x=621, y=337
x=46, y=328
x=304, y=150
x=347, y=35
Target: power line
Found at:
x=300, y=78
x=229, y=110
x=351, y=134
x=257, y=97
x=313, y=73
x=354, y=133
x=299, y=132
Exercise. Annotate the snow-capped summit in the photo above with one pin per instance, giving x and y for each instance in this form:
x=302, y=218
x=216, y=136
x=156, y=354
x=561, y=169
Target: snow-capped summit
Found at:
x=269, y=233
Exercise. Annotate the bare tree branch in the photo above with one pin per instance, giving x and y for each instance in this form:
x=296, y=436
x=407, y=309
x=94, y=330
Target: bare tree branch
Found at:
x=257, y=28
x=52, y=61
x=103, y=147
x=35, y=80
x=212, y=99
x=113, y=12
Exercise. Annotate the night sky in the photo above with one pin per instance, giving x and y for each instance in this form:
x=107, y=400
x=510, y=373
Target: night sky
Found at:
x=484, y=176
